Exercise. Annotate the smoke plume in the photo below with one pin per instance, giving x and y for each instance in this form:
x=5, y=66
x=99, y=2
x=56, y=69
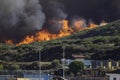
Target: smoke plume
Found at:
x=77, y=23
x=55, y=12
x=19, y=18
x=97, y=10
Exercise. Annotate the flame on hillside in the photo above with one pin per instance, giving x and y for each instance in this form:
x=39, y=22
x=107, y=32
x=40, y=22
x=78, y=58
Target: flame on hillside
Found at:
x=45, y=35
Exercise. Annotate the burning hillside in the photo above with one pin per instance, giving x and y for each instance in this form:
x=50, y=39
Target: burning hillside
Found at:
x=27, y=21
x=45, y=35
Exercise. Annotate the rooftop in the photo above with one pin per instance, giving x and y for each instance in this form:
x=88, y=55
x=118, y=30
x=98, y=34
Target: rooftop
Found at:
x=78, y=56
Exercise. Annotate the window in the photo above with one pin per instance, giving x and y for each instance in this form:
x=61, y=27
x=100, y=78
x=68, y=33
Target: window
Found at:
x=114, y=78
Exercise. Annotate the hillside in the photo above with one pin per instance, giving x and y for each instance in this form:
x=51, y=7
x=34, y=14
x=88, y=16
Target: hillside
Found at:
x=111, y=29
x=99, y=43
x=103, y=42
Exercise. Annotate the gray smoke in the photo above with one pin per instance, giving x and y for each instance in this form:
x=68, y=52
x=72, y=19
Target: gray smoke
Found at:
x=77, y=23
x=53, y=9
x=19, y=18
x=55, y=12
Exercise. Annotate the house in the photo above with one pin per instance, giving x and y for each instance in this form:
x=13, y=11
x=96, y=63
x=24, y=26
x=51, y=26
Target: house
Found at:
x=114, y=75
x=75, y=58
x=105, y=64
x=79, y=57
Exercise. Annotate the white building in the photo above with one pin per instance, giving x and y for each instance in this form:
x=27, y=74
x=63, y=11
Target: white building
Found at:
x=114, y=75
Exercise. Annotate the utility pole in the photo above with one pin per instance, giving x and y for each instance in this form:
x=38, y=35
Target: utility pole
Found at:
x=63, y=62
x=40, y=72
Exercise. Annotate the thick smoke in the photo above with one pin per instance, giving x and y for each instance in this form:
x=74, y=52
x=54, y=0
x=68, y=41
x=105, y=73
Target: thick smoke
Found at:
x=53, y=9
x=19, y=18
x=55, y=12
x=77, y=23
x=97, y=10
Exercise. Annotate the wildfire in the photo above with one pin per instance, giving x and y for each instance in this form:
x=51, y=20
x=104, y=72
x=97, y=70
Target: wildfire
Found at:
x=9, y=42
x=45, y=35
x=92, y=25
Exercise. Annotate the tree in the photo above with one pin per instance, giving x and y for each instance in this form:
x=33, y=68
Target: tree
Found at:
x=76, y=66
x=1, y=67
x=35, y=65
x=14, y=67
x=56, y=64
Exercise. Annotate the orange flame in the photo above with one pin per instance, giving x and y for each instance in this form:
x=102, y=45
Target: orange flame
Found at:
x=79, y=25
x=45, y=35
x=9, y=42
x=92, y=25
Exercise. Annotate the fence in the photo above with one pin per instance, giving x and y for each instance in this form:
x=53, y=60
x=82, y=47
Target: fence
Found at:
x=34, y=75
x=24, y=75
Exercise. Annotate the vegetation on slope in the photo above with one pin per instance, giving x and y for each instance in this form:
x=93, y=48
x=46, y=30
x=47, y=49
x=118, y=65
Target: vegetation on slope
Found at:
x=99, y=43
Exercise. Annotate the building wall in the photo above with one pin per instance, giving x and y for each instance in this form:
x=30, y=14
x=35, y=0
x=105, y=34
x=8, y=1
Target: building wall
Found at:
x=112, y=76
x=23, y=79
x=18, y=79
